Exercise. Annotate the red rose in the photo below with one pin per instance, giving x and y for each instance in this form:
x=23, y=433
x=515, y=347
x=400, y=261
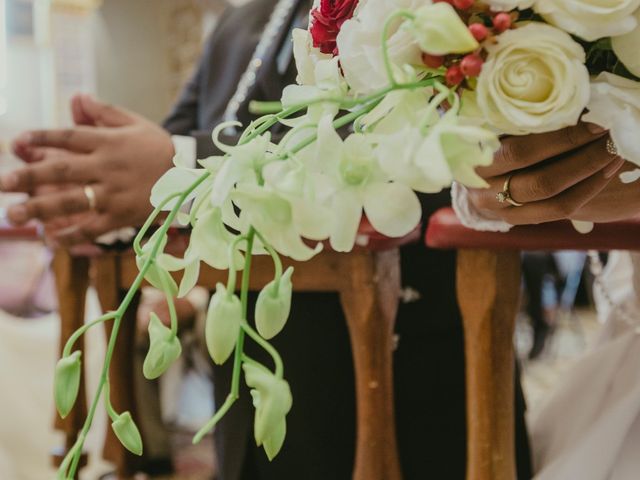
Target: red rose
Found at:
x=327, y=21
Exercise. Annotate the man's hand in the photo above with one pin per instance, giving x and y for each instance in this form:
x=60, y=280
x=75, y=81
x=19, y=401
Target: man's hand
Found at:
x=554, y=175
x=119, y=154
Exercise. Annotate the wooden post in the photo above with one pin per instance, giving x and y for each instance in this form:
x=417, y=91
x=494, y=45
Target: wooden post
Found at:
x=121, y=375
x=370, y=302
x=488, y=288
x=72, y=281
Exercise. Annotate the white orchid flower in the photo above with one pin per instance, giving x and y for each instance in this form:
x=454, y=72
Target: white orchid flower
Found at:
x=176, y=179
x=272, y=215
x=307, y=192
x=397, y=110
x=306, y=56
x=463, y=147
x=360, y=184
x=328, y=83
x=429, y=162
x=243, y=163
x=210, y=242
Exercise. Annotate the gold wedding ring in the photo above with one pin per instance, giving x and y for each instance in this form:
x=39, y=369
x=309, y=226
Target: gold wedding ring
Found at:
x=505, y=194
x=90, y=193
x=611, y=147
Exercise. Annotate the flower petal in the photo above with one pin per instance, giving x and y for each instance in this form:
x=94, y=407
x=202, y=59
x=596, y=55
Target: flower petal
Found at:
x=392, y=208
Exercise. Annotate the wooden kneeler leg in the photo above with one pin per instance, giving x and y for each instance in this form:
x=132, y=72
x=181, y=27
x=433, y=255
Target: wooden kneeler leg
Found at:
x=488, y=288
x=72, y=281
x=370, y=303
x=121, y=375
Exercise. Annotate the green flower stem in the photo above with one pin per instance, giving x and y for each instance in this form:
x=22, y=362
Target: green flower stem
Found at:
x=113, y=415
x=339, y=123
x=66, y=463
x=433, y=105
x=118, y=320
x=244, y=299
x=238, y=354
x=255, y=336
x=287, y=136
x=247, y=359
x=82, y=330
x=198, y=205
x=260, y=108
x=277, y=262
x=224, y=408
x=231, y=279
x=147, y=224
x=385, y=37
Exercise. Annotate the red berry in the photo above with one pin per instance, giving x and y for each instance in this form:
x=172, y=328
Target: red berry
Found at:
x=471, y=65
x=463, y=4
x=479, y=31
x=502, y=22
x=432, y=61
x=454, y=75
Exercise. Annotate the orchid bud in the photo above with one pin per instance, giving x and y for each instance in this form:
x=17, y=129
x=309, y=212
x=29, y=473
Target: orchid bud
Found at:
x=273, y=305
x=223, y=324
x=272, y=401
x=67, y=382
x=439, y=30
x=164, y=349
x=125, y=429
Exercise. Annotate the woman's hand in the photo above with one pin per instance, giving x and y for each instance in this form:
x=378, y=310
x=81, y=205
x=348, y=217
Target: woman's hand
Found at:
x=553, y=175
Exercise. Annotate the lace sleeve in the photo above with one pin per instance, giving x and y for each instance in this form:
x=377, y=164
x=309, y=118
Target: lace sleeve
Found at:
x=470, y=216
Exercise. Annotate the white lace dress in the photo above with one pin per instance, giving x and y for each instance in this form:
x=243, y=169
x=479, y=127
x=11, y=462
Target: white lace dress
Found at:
x=589, y=427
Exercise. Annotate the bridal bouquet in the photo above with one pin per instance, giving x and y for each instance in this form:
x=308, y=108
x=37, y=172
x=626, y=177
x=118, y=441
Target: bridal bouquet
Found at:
x=393, y=97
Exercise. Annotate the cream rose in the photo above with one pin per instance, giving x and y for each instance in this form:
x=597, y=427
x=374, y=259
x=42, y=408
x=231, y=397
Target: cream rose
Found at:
x=508, y=5
x=615, y=105
x=534, y=80
x=626, y=47
x=359, y=44
x=590, y=19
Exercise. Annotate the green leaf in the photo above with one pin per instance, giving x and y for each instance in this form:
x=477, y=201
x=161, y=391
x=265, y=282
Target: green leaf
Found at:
x=67, y=382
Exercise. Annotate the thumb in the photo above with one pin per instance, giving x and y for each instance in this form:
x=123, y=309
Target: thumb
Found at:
x=89, y=111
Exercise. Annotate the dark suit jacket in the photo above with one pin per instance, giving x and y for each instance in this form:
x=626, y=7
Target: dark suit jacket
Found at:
x=429, y=363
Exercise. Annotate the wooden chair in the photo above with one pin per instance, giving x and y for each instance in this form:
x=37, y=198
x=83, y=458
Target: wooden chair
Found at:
x=368, y=282
x=488, y=289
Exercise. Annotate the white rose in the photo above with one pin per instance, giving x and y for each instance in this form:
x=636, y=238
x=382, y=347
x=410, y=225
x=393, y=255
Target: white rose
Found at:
x=534, y=80
x=626, y=48
x=615, y=105
x=590, y=19
x=360, y=44
x=508, y=5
